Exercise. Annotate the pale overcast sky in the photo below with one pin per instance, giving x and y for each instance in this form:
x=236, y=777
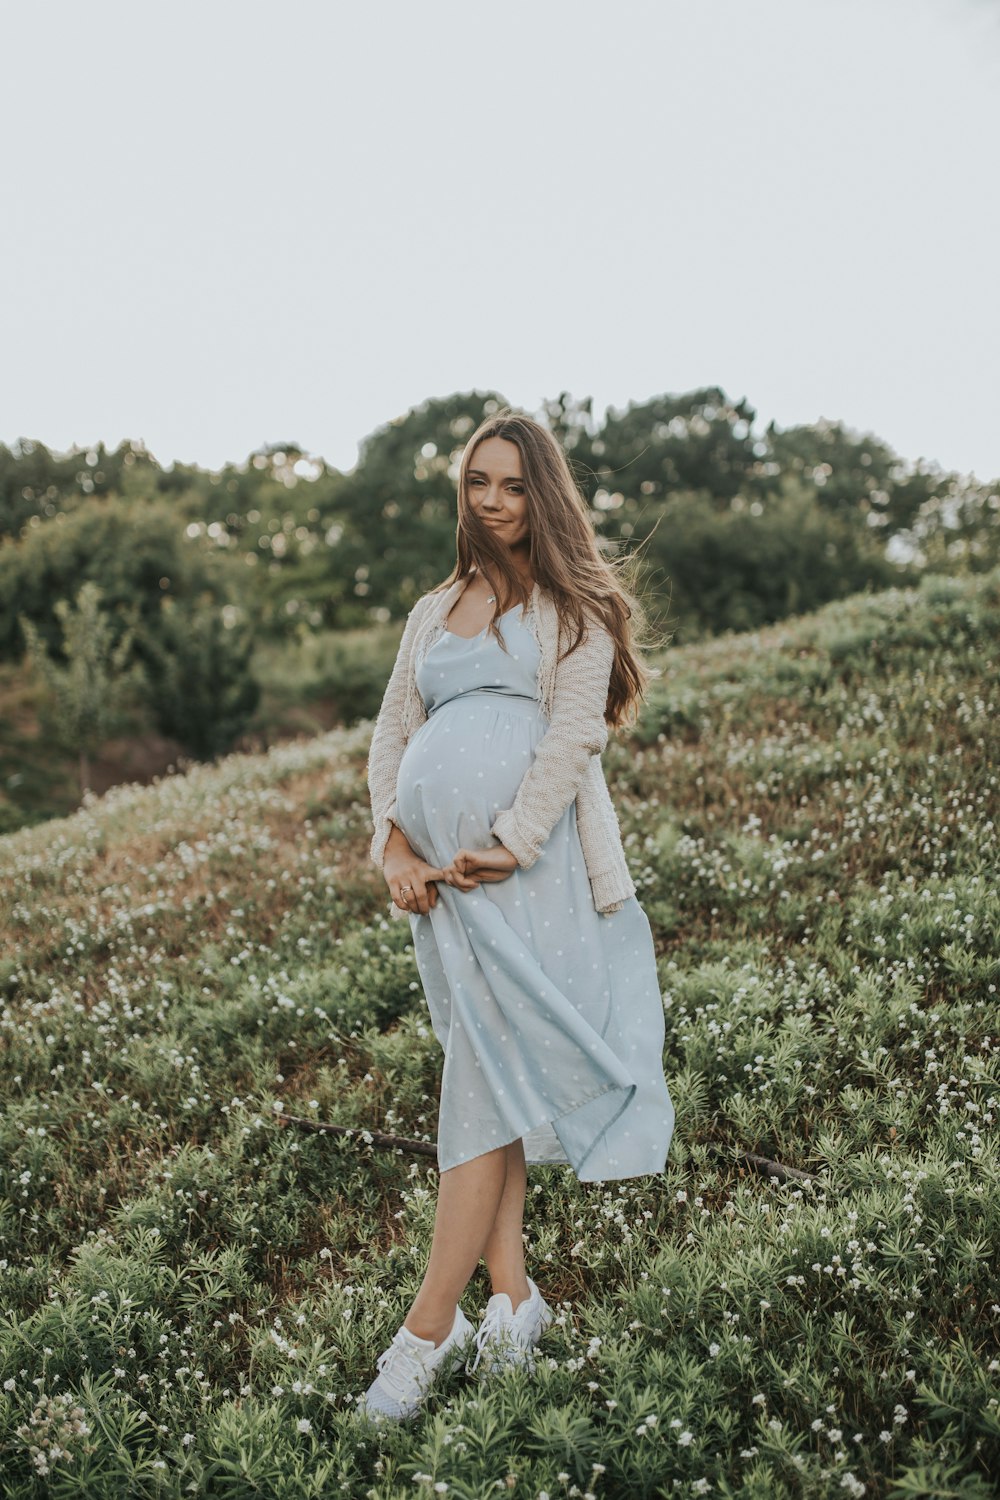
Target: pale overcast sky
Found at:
x=231, y=223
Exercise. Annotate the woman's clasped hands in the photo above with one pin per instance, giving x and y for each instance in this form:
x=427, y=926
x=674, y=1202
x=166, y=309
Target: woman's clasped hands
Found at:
x=413, y=882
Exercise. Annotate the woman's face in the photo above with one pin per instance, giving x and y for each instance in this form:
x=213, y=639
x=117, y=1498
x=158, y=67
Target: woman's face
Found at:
x=496, y=490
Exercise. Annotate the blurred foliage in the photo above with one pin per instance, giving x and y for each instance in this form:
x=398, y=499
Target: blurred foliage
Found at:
x=202, y=690
x=86, y=694
x=308, y=548
x=168, y=606
x=285, y=574
x=133, y=549
x=346, y=668
x=733, y=570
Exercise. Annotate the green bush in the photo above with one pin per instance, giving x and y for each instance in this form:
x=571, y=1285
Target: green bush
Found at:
x=348, y=667
x=134, y=550
x=736, y=570
x=201, y=691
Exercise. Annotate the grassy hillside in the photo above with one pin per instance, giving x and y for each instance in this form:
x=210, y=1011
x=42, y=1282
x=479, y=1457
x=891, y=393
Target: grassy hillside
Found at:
x=193, y=1292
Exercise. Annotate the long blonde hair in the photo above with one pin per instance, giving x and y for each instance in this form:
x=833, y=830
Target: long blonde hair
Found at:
x=565, y=557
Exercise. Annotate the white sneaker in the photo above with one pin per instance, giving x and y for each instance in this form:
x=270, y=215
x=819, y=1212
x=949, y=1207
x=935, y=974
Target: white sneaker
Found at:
x=506, y=1336
x=408, y=1367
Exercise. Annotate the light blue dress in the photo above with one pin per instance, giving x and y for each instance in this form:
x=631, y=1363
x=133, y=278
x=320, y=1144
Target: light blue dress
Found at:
x=548, y=1012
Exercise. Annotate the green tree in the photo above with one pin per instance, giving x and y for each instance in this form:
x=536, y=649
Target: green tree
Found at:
x=854, y=473
x=957, y=532
x=697, y=441
x=743, y=568
x=201, y=687
x=37, y=484
x=135, y=550
x=89, y=690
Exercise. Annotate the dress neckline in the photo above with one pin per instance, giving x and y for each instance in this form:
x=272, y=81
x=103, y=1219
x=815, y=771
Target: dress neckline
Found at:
x=484, y=629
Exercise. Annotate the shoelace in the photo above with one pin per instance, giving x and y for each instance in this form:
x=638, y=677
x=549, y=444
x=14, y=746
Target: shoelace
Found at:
x=493, y=1328
x=399, y=1363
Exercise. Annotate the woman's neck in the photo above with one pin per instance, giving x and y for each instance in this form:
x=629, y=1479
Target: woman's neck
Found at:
x=522, y=567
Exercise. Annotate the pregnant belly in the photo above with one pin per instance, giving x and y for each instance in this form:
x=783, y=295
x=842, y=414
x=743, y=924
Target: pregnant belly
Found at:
x=464, y=765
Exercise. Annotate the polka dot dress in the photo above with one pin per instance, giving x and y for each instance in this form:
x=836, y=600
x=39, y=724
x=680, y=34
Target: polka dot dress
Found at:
x=548, y=1012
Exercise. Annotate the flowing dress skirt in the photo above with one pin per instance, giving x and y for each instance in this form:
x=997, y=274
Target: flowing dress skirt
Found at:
x=548, y=1012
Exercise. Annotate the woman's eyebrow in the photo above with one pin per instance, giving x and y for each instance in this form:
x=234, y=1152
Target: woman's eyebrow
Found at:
x=508, y=479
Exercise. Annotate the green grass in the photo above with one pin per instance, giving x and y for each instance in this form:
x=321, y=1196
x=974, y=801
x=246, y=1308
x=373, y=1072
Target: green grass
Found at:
x=192, y=1294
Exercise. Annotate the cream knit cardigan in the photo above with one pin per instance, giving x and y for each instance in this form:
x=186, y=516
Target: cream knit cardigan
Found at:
x=566, y=763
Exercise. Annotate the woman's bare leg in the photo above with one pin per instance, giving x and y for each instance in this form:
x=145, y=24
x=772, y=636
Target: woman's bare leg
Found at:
x=469, y=1197
x=504, y=1250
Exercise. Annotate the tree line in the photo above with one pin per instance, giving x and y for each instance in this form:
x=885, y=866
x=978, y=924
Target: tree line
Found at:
x=736, y=528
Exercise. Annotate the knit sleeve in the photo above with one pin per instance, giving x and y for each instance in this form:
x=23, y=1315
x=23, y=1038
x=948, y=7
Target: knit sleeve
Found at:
x=577, y=730
x=387, y=744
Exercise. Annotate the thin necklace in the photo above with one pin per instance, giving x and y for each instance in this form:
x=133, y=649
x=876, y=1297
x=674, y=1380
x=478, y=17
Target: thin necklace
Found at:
x=491, y=599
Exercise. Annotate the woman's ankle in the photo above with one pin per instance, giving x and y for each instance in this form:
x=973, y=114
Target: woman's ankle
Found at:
x=518, y=1291
x=429, y=1328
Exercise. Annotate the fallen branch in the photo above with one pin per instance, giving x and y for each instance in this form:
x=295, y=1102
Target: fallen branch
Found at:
x=770, y=1168
x=386, y=1142
x=379, y=1138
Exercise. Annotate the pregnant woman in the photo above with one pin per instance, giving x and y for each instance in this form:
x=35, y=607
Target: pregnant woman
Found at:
x=497, y=837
